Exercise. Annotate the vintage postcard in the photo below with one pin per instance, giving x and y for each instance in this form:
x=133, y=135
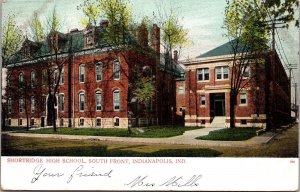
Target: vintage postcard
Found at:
x=168, y=95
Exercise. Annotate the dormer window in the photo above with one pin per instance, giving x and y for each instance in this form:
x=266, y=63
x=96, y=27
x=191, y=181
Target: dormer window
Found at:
x=89, y=38
x=26, y=52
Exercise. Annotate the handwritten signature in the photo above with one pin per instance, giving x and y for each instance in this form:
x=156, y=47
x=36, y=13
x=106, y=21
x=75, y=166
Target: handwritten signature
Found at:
x=174, y=181
x=41, y=172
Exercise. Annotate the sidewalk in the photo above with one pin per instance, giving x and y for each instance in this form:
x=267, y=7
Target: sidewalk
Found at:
x=188, y=138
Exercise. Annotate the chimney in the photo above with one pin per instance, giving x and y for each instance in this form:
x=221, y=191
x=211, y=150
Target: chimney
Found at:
x=155, y=38
x=142, y=35
x=175, y=56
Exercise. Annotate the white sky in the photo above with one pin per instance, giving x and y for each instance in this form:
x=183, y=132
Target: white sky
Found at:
x=202, y=18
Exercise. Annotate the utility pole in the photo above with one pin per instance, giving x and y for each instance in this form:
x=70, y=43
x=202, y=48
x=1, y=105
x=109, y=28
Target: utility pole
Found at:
x=270, y=107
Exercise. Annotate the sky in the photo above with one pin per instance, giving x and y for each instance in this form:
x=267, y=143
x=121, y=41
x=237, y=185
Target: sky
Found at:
x=202, y=18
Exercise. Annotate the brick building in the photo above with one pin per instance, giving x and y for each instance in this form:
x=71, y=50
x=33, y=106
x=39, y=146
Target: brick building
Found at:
x=203, y=96
x=95, y=87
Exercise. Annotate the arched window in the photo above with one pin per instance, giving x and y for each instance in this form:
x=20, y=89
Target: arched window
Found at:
x=116, y=70
x=81, y=101
x=21, y=80
x=32, y=79
x=98, y=101
x=81, y=73
x=98, y=71
x=116, y=100
x=44, y=77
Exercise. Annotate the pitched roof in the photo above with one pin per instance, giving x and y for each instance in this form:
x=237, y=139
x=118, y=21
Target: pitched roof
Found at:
x=225, y=49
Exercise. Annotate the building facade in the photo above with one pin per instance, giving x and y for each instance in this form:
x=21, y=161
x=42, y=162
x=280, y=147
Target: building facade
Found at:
x=95, y=83
x=203, y=97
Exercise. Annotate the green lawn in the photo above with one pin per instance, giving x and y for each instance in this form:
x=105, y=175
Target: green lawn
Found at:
x=230, y=134
x=14, y=146
x=154, y=132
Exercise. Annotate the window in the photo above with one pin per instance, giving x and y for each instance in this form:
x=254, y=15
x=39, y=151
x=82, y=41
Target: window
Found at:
x=98, y=71
x=32, y=79
x=26, y=52
x=89, y=39
x=203, y=122
x=55, y=76
x=43, y=103
x=81, y=122
x=98, y=101
x=9, y=105
x=116, y=70
x=31, y=122
x=116, y=99
x=243, y=98
x=81, y=73
x=116, y=122
x=62, y=76
x=98, y=122
x=21, y=105
x=32, y=104
x=202, y=100
x=61, y=101
x=203, y=74
x=20, y=121
x=81, y=101
x=21, y=80
x=44, y=77
x=181, y=90
x=9, y=121
x=222, y=72
x=244, y=122
x=246, y=71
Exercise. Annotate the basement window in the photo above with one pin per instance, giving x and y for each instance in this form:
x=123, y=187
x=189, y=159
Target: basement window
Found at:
x=81, y=122
x=244, y=122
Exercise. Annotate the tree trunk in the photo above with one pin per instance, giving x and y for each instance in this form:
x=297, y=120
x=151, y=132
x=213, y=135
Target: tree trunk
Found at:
x=232, y=109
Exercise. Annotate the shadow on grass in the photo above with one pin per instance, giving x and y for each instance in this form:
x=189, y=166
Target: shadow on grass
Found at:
x=230, y=134
x=101, y=151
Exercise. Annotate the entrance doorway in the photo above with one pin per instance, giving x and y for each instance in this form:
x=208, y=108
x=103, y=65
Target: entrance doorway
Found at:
x=217, y=104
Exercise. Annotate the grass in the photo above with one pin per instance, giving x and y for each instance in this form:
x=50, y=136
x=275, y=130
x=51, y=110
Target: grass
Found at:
x=14, y=146
x=231, y=134
x=156, y=132
x=284, y=145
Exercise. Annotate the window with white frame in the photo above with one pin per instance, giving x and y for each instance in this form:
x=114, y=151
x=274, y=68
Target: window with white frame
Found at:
x=21, y=80
x=116, y=99
x=98, y=101
x=81, y=73
x=81, y=101
x=116, y=70
x=98, y=71
x=203, y=74
x=243, y=98
x=32, y=104
x=61, y=101
x=62, y=76
x=98, y=122
x=202, y=100
x=21, y=105
x=222, y=72
x=32, y=79
x=246, y=71
x=9, y=105
x=44, y=77
x=181, y=90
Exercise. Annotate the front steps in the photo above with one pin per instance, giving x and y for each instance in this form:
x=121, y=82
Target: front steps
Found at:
x=218, y=122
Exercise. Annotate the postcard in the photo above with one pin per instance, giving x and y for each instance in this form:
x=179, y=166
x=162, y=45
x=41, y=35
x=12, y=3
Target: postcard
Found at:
x=149, y=95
